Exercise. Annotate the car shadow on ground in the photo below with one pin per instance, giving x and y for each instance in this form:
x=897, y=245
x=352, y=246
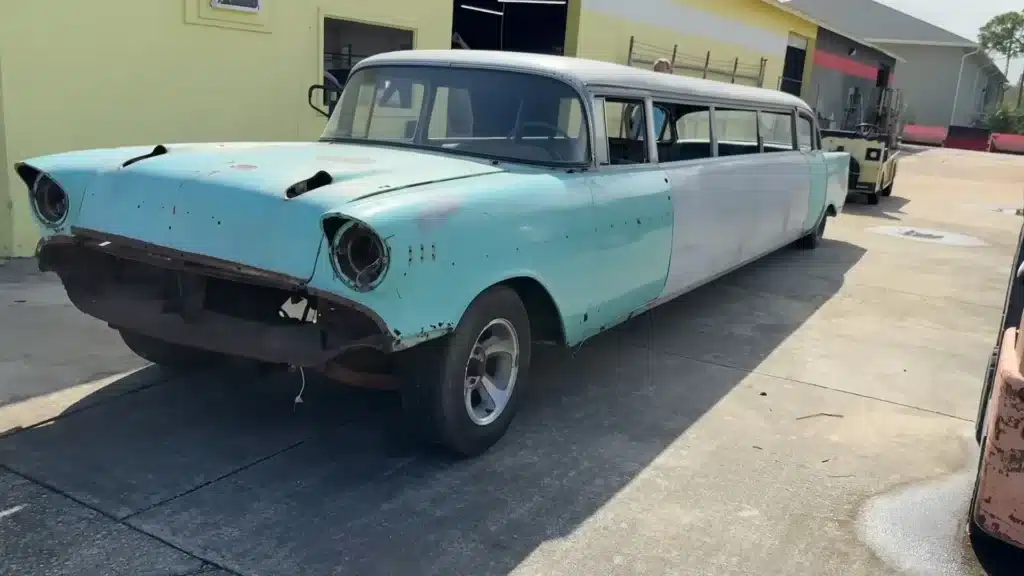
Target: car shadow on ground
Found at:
x=224, y=465
x=889, y=208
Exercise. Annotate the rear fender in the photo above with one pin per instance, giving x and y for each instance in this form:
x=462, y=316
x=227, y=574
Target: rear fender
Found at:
x=837, y=177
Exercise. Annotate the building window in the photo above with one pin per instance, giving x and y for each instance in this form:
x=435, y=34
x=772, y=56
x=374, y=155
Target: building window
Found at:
x=240, y=5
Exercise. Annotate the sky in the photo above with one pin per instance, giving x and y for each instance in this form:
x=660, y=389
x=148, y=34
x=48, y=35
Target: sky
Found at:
x=961, y=17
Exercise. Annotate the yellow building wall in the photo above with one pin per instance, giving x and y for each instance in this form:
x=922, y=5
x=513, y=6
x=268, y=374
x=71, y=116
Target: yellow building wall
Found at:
x=85, y=74
x=6, y=226
x=729, y=29
x=126, y=72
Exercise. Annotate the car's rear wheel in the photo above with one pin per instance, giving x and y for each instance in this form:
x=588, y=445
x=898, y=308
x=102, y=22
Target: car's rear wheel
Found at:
x=814, y=238
x=166, y=354
x=873, y=198
x=462, y=391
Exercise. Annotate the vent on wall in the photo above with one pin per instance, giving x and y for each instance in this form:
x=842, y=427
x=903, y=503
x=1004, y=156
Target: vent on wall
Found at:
x=241, y=5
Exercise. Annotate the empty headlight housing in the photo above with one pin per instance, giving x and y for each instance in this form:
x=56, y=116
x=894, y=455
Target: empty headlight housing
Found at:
x=49, y=201
x=358, y=255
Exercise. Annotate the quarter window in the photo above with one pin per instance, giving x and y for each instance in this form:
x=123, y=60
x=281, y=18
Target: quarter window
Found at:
x=804, y=133
x=625, y=125
x=736, y=131
x=776, y=131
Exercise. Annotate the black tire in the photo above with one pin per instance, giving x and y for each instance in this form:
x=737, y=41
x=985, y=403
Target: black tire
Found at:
x=435, y=373
x=887, y=191
x=166, y=354
x=814, y=238
x=873, y=198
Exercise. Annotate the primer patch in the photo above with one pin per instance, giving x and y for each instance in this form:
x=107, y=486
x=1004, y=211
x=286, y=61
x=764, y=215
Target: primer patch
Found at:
x=929, y=235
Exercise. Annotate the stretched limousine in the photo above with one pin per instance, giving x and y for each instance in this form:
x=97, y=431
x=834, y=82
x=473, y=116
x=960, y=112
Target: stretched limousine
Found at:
x=459, y=207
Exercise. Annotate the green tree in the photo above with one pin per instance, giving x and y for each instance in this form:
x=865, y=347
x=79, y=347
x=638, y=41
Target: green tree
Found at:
x=1004, y=35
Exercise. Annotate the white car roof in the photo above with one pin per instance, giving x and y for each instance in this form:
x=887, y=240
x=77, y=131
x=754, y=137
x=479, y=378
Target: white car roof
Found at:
x=591, y=73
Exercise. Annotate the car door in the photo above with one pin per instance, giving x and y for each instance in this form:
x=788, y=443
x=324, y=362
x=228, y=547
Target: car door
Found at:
x=632, y=236
x=805, y=215
x=787, y=178
x=706, y=238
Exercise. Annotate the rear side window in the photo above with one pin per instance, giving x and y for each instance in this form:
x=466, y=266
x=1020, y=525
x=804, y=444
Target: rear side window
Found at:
x=776, y=131
x=686, y=133
x=736, y=131
x=804, y=133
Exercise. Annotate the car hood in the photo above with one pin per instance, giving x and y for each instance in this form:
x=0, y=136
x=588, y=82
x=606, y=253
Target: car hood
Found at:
x=256, y=204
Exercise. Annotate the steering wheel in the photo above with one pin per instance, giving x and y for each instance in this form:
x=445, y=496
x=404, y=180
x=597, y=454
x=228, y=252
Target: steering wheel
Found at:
x=867, y=130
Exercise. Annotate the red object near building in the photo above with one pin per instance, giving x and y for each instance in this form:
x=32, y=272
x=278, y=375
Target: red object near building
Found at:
x=968, y=138
x=928, y=135
x=1007, y=143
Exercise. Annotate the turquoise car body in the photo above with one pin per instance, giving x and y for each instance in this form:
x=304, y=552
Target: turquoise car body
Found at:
x=453, y=226
x=589, y=245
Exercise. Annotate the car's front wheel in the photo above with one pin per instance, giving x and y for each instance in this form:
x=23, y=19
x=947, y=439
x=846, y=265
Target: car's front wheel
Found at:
x=166, y=354
x=461, y=391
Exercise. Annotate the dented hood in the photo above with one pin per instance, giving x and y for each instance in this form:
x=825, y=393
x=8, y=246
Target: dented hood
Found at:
x=256, y=204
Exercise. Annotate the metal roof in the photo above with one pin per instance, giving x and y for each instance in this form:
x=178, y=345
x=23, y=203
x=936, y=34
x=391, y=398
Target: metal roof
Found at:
x=589, y=73
x=877, y=22
x=785, y=6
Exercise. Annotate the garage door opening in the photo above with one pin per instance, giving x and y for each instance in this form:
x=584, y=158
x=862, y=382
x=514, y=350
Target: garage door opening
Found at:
x=536, y=26
x=346, y=43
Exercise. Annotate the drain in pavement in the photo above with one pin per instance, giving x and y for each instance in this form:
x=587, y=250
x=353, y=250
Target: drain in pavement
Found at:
x=929, y=235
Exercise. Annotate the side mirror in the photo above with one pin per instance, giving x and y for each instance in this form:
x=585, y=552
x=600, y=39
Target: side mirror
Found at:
x=328, y=97
x=309, y=98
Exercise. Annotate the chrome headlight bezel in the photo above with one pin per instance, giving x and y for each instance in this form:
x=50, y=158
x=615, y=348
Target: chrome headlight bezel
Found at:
x=359, y=256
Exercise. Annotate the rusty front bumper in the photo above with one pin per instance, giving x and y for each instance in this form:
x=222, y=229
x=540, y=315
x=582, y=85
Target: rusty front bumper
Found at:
x=999, y=499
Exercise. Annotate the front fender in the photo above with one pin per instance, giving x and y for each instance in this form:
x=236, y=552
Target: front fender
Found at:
x=450, y=242
x=74, y=172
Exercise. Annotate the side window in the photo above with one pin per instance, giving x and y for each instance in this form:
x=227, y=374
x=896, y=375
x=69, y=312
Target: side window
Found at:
x=661, y=122
x=695, y=125
x=687, y=135
x=776, y=131
x=805, y=139
x=625, y=125
x=736, y=131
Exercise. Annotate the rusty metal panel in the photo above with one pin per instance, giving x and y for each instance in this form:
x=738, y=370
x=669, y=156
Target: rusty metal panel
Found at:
x=999, y=501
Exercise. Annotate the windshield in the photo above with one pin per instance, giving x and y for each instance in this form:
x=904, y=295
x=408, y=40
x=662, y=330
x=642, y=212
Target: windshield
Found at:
x=491, y=113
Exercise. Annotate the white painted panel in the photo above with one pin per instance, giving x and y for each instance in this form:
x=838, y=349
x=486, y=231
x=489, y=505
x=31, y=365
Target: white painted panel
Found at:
x=798, y=41
x=691, y=21
x=731, y=210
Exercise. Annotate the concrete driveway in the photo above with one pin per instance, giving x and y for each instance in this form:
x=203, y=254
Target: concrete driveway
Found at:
x=810, y=414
